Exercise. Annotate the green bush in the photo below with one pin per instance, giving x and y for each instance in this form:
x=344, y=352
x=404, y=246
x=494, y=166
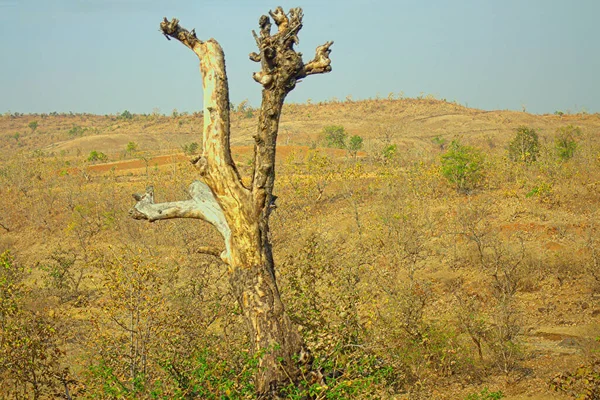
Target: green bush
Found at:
x=131, y=147
x=355, y=144
x=440, y=142
x=77, y=131
x=201, y=375
x=335, y=136
x=33, y=126
x=97, y=156
x=485, y=394
x=389, y=152
x=462, y=166
x=565, y=143
x=525, y=146
x=126, y=115
x=191, y=148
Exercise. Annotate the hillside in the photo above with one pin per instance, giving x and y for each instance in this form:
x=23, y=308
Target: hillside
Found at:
x=406, y=284
x=411, y=123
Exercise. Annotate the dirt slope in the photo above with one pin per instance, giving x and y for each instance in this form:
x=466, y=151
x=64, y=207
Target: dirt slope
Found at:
x=410, y=123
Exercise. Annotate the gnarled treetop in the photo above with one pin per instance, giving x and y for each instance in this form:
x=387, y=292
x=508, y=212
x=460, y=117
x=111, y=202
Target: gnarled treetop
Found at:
x=276, y=53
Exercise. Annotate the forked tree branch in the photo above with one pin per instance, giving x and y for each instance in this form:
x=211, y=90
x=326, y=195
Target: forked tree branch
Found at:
x=239, y=212
x=244, y=211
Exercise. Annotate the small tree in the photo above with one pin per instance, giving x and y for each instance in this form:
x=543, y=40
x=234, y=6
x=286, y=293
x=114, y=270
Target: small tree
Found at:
x=440, y=142
x=131, y=147
x=525, y=146
x=33, y=126
x=126, y=115
x=76, y=131
x=97, y=156
x=565, y=143
x=389, y=152
x=191, y=148
x=355, y=144
x=462, y=165
x=335, y=136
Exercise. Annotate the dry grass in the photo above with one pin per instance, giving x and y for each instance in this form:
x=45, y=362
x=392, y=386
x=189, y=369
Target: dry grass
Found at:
x=382, y=257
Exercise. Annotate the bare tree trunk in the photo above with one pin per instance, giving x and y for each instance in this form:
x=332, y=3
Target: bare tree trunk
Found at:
x=239, y=212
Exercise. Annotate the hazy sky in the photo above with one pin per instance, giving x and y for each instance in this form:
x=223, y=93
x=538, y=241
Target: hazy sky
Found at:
x=105, y=56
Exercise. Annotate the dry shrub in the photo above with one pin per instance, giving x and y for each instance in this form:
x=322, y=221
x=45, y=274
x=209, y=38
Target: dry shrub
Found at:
x=582, y=384
x=30, y=355
x=501, y=260
x=323, y=292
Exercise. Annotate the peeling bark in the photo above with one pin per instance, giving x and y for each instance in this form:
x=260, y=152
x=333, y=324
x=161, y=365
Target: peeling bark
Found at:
x=240, y=213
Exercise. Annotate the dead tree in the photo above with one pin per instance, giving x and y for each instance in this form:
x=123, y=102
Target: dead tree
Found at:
x=239, y=211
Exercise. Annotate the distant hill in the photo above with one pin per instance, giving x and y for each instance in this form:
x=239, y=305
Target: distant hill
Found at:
x=410, y=123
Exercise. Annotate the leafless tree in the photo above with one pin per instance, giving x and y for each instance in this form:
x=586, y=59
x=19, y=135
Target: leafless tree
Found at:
x=240, y=211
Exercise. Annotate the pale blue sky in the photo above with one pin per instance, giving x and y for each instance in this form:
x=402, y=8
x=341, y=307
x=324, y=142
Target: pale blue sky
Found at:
x=105, y=56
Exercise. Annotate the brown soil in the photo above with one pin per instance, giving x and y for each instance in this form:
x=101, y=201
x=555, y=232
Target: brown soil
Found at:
x=239, y=152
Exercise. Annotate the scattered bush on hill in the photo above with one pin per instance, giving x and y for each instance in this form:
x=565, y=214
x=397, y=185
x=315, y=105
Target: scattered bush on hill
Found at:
x=77, y=131
x=131, y=147
x=335, y=136
x=389, y=152
x=355, y=144
x=126, y=115
x=525, y=146
x=29, y=355
x=190, y=148
x=97, y=156
x=33, y=126
x=463, y=166
x=565, y=143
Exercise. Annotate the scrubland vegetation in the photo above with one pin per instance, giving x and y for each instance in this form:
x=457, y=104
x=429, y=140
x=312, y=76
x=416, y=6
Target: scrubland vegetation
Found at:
x=426, y=250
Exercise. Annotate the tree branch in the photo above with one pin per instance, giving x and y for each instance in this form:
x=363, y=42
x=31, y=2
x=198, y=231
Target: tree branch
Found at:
x=172, y=29
x=202, y=205
x=321, y=63
x=217, y=166
x=281, y=68
x=211, y=251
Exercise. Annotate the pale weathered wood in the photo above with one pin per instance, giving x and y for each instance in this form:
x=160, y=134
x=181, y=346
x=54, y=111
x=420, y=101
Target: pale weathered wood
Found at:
x=239, y=212
x=202, y=205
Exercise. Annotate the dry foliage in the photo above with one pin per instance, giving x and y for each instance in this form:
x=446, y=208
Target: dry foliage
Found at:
x=404, y=287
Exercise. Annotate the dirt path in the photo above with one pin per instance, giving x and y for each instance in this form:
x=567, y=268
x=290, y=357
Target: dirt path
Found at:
x=138, y=163
x=239, y=152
